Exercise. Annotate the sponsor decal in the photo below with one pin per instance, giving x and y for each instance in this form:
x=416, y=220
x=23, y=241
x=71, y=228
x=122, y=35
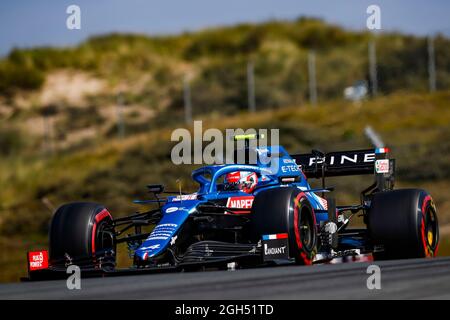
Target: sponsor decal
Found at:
x=275, y=246
x=323, y=202
x=289, y=161
x=382, y=166
x=183, y=197
x=166, y=225
x=244, y=202
x=272, y=251
x=171, y=209
x=159, y=233
x=37, y=260
x=163, y=231
x=153, y=247
x=289, y=168
x=157, y=238
x=344, y=159
x=234, y=177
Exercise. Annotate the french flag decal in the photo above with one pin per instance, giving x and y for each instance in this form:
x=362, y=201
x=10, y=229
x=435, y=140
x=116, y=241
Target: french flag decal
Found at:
x=382, y=150
x=275, y=236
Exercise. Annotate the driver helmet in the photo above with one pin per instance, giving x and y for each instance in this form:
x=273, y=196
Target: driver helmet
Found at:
x=246, y=181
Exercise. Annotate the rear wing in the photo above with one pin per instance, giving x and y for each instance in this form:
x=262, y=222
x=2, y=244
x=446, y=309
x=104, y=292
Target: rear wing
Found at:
x=346, y=163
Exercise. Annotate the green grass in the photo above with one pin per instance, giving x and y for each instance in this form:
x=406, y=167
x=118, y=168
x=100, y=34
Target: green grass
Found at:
x=444, y=246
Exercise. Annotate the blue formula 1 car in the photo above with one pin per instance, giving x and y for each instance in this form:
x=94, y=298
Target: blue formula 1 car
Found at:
x=246, y=214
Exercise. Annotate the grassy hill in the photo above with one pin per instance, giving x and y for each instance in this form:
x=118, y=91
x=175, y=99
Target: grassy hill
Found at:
x=46, y=93
x=149, y=69
x=146, y=74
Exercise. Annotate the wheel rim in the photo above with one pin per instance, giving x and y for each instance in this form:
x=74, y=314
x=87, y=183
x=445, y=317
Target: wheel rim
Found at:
x=104, y=237
x=306, y=229
x=431, y=230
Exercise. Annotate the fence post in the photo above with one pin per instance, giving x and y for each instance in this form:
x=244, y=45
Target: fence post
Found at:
x=373, y=68
x=312, y=78
x=120, y=119
x=187, y=100
x=251, y=87
x=431, y=65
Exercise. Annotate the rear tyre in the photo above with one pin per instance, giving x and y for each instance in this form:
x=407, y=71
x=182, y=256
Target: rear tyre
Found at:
x=405, y=223
x=80, y=230
x=286, y=210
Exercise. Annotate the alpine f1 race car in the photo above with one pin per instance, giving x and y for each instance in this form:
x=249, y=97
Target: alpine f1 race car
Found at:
x=249, y=214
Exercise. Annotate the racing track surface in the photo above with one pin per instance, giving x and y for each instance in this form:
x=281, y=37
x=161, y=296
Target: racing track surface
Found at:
x=402, y=279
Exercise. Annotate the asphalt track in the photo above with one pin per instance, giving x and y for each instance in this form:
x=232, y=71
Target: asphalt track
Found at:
x=401, y=279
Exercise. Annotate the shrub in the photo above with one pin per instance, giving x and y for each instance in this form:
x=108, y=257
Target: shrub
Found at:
x=19, y=76
x=11, y=141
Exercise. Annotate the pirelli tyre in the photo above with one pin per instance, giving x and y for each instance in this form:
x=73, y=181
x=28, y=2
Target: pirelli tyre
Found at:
x=81, y=230
x=286, y=210
x=404, y=224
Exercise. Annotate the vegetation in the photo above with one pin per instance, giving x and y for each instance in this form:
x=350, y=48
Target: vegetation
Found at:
x=217, y=59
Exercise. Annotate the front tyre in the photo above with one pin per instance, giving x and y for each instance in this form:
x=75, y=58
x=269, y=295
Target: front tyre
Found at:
x=286, y=210
x=81, y=230
x=305, y=230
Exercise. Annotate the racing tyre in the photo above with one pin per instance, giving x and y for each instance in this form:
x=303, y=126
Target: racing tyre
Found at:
x=81, y=230
x=286, y=210
x=405, y=223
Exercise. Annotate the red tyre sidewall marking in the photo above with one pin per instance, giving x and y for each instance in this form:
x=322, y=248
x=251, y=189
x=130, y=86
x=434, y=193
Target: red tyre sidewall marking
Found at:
x=297, y=201
x=426, y=200
x=98, y=217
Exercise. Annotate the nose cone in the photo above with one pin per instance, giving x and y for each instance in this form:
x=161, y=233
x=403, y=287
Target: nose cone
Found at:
x=164, y=234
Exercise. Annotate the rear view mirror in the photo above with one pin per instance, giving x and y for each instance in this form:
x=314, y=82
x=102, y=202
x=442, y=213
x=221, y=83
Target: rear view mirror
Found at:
x=155, y=188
